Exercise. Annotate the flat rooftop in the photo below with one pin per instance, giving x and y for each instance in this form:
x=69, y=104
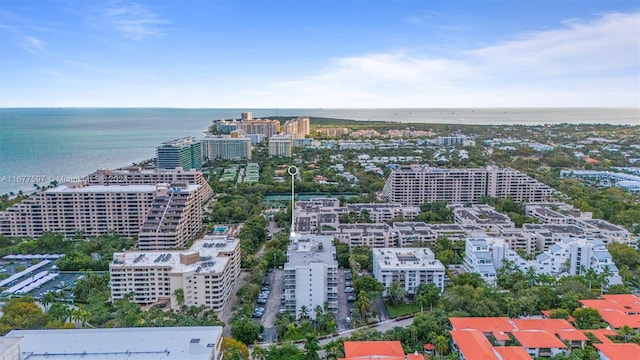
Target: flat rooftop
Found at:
x=399, y=258
x=209, y=249
x=187, y=343
x=307, y=249
x=89, y=189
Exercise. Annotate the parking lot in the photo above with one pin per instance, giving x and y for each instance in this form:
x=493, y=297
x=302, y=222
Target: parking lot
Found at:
x=63, y=281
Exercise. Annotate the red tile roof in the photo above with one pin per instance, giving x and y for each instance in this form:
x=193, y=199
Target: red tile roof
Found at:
x=390, y=350
x=619, y=351
x=572, y=335
x=483, y=324
x=513, y=352
x=629, y=301
x=535, y=339
x=618, y=319
x=601, y=334
x=552, y=325
x=473, y=345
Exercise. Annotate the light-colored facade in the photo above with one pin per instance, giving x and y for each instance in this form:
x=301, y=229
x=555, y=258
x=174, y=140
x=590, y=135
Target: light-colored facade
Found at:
x=409, y=266
x=280, y=145
x=112, y=200
x=484, y=216
x=410, y=232
x=205, y=273
x=226, y=147
x=183, y=153
x=298, y=127
x=569, y=256
x=365, y=234
x=332, y=132
x=311, y=274
x=175, y=217
x=151, y=343
x=258, y=126
x=416, y=184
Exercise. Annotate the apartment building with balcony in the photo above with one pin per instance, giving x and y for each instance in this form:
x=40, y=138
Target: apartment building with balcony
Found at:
x=415, y=184
x=280, y=145
x=409, y=266
x=205, y=274
x=298, y=128
x=226, y=147
x=311, y=274
x=175, y=217
x=185, y=153
x=410, y=232
x=267, y=128
x=365, y=234
x=484, y=216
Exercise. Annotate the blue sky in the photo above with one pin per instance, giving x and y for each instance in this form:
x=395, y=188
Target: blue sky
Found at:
x=310, y=54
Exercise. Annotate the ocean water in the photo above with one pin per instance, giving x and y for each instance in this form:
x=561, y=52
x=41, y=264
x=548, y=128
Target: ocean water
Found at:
x=40, y=145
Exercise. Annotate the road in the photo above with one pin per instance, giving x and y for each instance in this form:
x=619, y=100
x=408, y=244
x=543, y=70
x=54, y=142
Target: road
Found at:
x=381, y=326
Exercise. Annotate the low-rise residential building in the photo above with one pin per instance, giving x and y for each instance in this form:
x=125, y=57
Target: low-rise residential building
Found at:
x=409, y=232
x=536, y=337
x=383, y=212
x=617, y=310
x=570, y=256
x=365, y=234
x=311, y=274
x=204, y=274
x=409, y=266
x=175, y=343
x=484, y=216
x=369, y=350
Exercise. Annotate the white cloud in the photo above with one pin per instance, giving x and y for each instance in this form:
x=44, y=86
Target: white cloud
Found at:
x=586, y=63
x=32, y=44
x=134, y=21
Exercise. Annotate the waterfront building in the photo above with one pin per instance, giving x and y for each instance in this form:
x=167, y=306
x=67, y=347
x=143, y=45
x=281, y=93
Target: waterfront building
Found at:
x=185, y=153
x=170, y=343
x=280, y=145
x=311, y=274
x=205, y=274
x=246, y=116
x=129, y=202
x=415, y=184
x=267, y=128
x=409, y=266
x=226, y=126
x=226, y=147
x=298, y=127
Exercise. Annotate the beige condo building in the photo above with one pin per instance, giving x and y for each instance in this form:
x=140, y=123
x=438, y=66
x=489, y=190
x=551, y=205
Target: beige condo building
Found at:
x=205, y=274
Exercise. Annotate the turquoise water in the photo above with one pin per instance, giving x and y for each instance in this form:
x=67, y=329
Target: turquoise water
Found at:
x=40, y=145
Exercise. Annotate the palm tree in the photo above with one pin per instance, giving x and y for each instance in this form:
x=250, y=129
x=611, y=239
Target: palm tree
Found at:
x=179, y=294
x=364, y=304
x=531, y=276
x=47, y=299
x=590, y=276
x=304, y=313
x=259, y=353
x=603, y=278
x=311, y=347
x=441, y=343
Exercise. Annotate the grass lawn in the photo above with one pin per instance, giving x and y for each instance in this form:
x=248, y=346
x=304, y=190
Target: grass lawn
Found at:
x=401, y=309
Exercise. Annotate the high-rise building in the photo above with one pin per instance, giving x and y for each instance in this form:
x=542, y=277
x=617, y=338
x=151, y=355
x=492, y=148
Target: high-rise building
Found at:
x=185, y=153
x=226, y=147
x=416, y=184
x=298, y=127
x=247, y=116
x=161, y=206
x=205, y=273
x=266, y=127
x=311, y=274
x=281, y=145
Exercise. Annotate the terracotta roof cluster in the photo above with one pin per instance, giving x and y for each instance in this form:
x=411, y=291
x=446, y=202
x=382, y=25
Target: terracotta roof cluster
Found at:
x=379, y=350
x=617, y=310
x=470, y=336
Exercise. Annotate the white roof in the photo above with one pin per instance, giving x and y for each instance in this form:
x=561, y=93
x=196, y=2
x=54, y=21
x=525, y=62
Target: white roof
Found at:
x=185, y=343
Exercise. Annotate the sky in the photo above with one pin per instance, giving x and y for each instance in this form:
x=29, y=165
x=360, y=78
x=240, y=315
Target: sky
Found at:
x=319, y=54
